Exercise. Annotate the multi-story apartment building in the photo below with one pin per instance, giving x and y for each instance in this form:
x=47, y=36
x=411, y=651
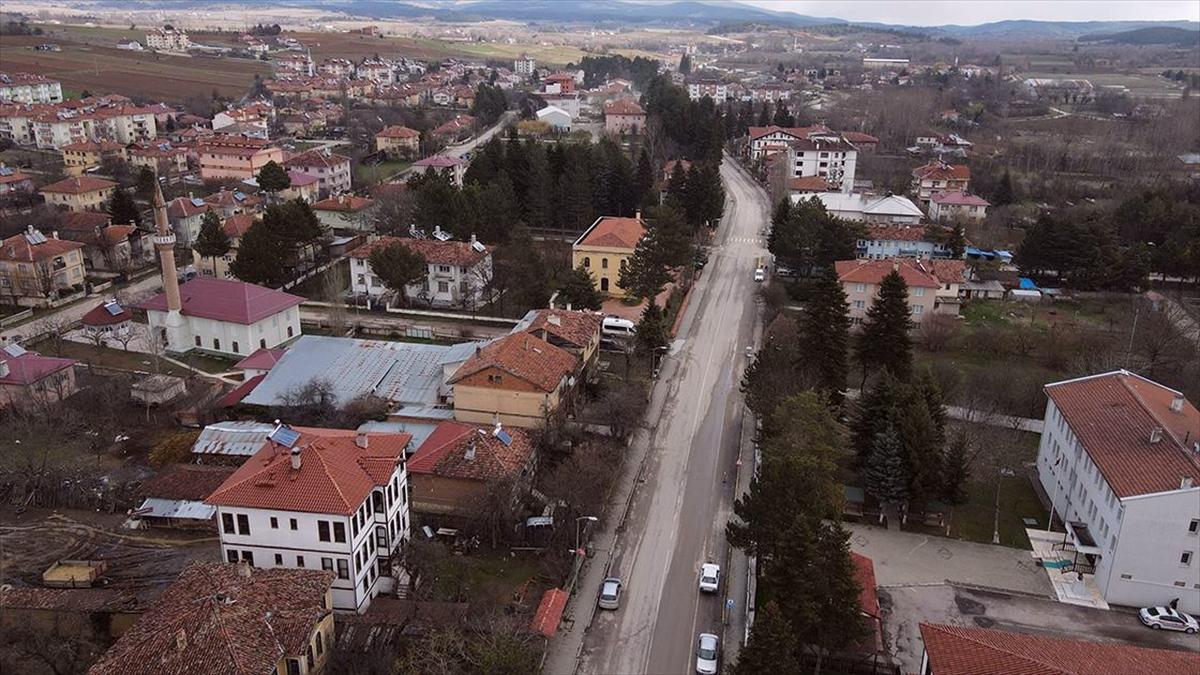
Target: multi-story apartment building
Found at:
x=623, y=115
x=331, y=170
x=35, y=269
x=1120, y=461
x=771, y=91
x=235, y=156
x=162, y=158
x=525, y=66
x=29, y=88
x=938, y=176
x=457, y=275
x=50, y=127
x=377, y=71
x=168, y=39
x=826, y=156
x=399, y=141
x=860, y=279
x=326, y=499
x=84, y=155
x=949, y=206
x=900, y=241
x=82, y=193
x=717, y=90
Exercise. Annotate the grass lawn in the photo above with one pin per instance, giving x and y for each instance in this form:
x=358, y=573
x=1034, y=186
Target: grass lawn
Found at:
x=484, y=576
x=974, y=520
x=209, y=363
x=106, y=357
x=369, y=174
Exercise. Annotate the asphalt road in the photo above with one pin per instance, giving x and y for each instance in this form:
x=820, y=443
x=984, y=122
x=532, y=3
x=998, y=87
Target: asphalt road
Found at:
x=678, y=513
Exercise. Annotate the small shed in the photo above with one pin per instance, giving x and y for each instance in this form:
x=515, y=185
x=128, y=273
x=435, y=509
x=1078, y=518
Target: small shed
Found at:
x=1025, y=295
x=175, y=497
x=109, y=317
x=74, y=573
x=158, y=389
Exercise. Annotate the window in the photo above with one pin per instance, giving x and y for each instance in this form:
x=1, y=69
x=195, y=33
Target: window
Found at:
x=289, y=331
x=859, y=288
x=248, y=558
x=916, y=309
x=587, y=262
x=377, y=501
x=235, y=347
x=1185, y=558
x=859, y=304
x=198, y=343
x=339, y=532
x=274, y=523
x=227, y=523
x=320, y=646
x=243, y=524
x=604, y=263
x=343, y=569
x=293, y=523
x=262, y=342
x=919, y=292
x=231, y=555
x=278, y=558
x=327, y=564
x=443, y=268
x=293, y=667
x=443, y=287
x=323, y=530
x=299, y=561
x=309, y=656
x=1194, y=526
x=381, y=535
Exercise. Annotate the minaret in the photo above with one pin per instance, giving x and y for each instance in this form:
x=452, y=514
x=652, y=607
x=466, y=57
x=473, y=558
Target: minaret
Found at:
x=164, y=241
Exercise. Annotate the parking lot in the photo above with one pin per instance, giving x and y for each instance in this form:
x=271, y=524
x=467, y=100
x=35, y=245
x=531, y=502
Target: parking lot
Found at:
x=905, y=607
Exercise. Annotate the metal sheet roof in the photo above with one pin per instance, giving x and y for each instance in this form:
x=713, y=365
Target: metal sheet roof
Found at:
x=232, y=438
x=176, y=508
x=402, y=372
x=419, y=430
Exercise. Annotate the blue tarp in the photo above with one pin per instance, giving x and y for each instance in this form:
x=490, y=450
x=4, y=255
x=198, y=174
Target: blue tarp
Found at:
x=1027, y=284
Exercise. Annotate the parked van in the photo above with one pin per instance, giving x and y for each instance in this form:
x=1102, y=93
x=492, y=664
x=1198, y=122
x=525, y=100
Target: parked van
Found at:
x=617, y=328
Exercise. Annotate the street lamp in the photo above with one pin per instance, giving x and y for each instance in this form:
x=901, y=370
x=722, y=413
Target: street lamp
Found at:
x=1005, y=472
x=590, y=519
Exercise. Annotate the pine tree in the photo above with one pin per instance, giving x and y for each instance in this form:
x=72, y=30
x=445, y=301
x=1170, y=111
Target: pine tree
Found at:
x=644, y=274
x=260, y=257
x=273, y=178
x=884, y=342
x=772, y=376
x=956, y=470
x=825, y=339
x=522, y=270
x=211, y=241
x=122, y=209
x=874, y=411
x=1004, y=194
x=652, y=331
x=536, y=208
x=923, y=444
x=772, y=646
x=579, y=290
x=956, y=240
x=685, y=64
x=644, y=180
x=885, y=476
x=146, y=180
x=676, y=189
x=779, y=222
x=398, y=267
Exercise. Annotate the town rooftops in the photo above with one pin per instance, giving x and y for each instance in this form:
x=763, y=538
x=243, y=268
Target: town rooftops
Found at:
x=186, y=481
x=890, y=232
x=223, y=618
x=335, y=474
x=91, y=146
x=439, y=162
x=435, y=252
x=872, y=207
x=472, y=452
x=33, y=246
x=796, y=132
x=84, y=220
x=809, y=184
x=575, y=328
x=227, y=300
x=523, y=356
x=317, y=158
x=397, y=131
x=613, y=232
x=623, y=106
x=939, y=170
x=344, y=204
x=455, y=126
x=186, y=207
x=237, y=224
x=914, y=272
x=107, y=313
x=261, y=359
x=25, y=367
x=78, y=186
x=300, y=179
x=958, y=199
x=955, y=650
x=1115, y=417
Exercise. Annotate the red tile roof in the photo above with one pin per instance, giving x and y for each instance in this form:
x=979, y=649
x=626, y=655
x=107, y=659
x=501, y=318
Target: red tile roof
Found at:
x=237, y=224
x=261, y=359
x=891, y=232
x=1113, y=415
x=31, y=367
x=227, y=300
x=334, y=477
x=549, y=612
x=317, y=158
x=953, y=650
x=958, y=199
x=614, y=232
x=938, y=170
x=455, y=125
x=857, y=137
x=234, y=396
x=100, y=316
x=623, y=106
x=799, y=132
x=868, y=601
x=223, y=618
x=444, y=453
x=914, y=272
x=300, y=179
x=524, y=356
x=184, y=207
x=398, y=132
x=84, y=220
x=574, y=327
x=18, y=249
x=347, y=203
x=194, y=482
x=80, y=185
x=809, y=184
x=439, y=162
x=948, y=271
x=459, y=253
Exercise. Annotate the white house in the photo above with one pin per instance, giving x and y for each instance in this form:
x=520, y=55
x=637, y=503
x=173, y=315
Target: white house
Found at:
x=225, y=316
x=947, y=206
x=808, y=151
x=458, y=271
x=869, y=208
x=443, y=163
x=328, y=499
x=1120, y=461
x=556, y=117
x=899, y=241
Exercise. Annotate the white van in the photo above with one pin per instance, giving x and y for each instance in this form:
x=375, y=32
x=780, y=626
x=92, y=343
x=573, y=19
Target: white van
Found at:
x=617, y=328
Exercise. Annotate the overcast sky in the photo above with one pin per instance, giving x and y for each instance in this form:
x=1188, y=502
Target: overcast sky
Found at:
x=937, y=12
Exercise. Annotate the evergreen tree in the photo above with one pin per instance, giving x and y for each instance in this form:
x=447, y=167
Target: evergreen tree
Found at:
x=146, y=180
x=536, y=208
x=522, y=270
x=885, y=476
x=499, y=201
x=644, y=274
x=260, y=257
x=956, y=471
x=874, y=411
x=771, y=377
x=398, y=267
x=677, y=193
x=685, y=64
x=651, y=329
x=782, y=117
x=211, y=241
x=273, y=178
x=772, y=646
x=884, y=342
x=1004, y=194
x=825, y=338
x=956, y=240
x=643, y=182
x=122, y=209
x=579, y=290
x=779, y=222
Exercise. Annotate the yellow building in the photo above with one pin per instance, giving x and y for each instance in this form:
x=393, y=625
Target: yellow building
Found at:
x=517, y=380
x=84, y=155
x=398, y=141
x=604, y=249
x=84, y=193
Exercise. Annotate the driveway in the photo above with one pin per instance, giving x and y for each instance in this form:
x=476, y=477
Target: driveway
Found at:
x=908, y=558
x=906, y=607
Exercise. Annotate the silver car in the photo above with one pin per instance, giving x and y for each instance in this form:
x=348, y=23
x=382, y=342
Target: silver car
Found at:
x=610, y=594
x=1165, y=618
x=707, y=649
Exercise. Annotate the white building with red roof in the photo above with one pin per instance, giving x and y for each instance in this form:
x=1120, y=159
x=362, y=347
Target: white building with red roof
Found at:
x=454, y=166
x=1120, y=460
x=948, y=206
x=228, y=317
x=938, y=176
x=36, y=269
x=29, y=380
x=624, y=115
x=331, y=170
x=882, y=240
x=457, y=271
x=328, y=499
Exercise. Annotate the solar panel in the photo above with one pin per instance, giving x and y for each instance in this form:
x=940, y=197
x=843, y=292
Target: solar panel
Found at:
x=504, y=437
x=478, y=246
x=14, y=350
x=35, y=237
x=284, y=436
x=113, y=308
x=196, y=201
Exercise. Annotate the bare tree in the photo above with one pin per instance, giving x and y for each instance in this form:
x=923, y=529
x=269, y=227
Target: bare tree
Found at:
x=938, y=332
x=55, y=327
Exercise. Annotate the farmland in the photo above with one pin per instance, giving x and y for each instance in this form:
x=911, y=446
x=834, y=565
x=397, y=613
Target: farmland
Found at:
x=100, y=68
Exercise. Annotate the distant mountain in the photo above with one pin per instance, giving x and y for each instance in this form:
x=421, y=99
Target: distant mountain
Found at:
x=1026, y=28
x=1158, y=35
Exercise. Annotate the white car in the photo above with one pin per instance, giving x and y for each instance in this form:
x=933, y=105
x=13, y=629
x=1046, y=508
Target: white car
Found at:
x=1165, y=618
x=610, y=594
x=710, y=577
x=760, y=275
x=707, y=648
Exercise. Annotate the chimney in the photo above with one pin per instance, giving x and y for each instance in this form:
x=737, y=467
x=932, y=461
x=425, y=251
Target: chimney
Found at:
x=1156, y=434
x=473, y=239
x=1177, y=404
x=54, y=234
x=3, y=368
x=1186, y=483
x=295, y=459
x=497, y=429
x=470, y=453
x=361, y=440
x=638, y=214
